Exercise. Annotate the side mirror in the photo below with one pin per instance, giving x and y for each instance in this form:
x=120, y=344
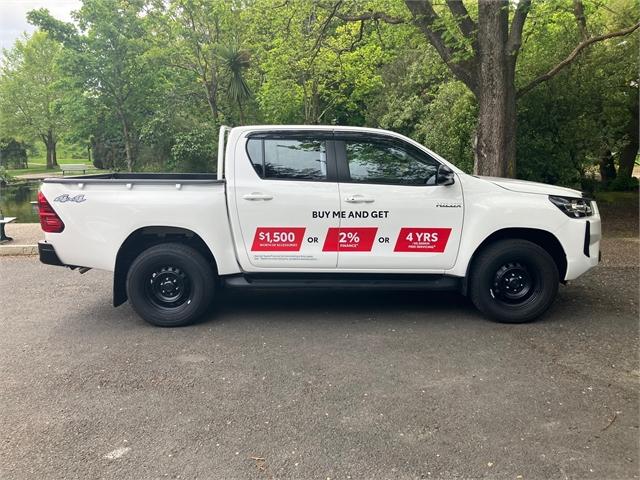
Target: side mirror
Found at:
x=445, y=176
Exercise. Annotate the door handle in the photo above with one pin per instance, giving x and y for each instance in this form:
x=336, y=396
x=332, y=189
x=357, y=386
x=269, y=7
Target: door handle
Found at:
x=358, y=199
x=257, y=196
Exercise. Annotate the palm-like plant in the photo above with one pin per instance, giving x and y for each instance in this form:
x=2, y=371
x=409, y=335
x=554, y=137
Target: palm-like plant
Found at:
x=236, y=62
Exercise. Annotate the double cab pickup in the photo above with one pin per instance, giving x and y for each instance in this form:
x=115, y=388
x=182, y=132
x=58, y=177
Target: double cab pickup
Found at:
x=320, y=207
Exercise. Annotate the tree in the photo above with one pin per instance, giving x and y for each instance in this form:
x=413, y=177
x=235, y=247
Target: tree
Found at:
x=195, y=31
x=30, y=92
x=310, y=66
x=482, y=54
x=427, y=104
x=13, y=154
x=236, y=61
x=575, y=124
x=106, y=58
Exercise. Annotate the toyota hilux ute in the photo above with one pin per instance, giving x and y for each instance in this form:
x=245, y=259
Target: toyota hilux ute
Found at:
x=320, y=207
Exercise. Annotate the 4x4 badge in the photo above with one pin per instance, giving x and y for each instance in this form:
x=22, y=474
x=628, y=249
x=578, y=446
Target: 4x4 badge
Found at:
x=65, y=197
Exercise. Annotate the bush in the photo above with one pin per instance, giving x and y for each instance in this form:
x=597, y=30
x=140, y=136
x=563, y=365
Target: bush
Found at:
x=108, y=154
x=194, y=152
x=623, y=184
x=13, y=153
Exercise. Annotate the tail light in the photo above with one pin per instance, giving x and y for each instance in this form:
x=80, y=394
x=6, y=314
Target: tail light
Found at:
x=49, y=219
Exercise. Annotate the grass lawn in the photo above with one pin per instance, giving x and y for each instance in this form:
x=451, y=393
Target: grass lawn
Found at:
x=39, y=165
x=617, y=197
x=619, y=211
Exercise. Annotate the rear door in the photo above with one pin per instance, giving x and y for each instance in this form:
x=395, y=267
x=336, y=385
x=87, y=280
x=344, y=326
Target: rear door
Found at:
x=394, y=215
x=286, y=196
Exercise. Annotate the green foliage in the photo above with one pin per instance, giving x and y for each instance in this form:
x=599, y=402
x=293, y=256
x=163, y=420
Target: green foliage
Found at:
x=624, y=184
x=13, y=154
x=427, y=105
x=146, y=83
x=312, y=67
x=193, y=152
x=30, y=93
x=566, y=124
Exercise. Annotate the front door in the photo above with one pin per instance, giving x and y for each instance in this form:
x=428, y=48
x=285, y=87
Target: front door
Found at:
x=286, y=195
x=394, y=215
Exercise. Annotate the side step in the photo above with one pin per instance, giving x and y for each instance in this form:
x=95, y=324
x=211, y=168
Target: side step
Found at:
x=343, y=281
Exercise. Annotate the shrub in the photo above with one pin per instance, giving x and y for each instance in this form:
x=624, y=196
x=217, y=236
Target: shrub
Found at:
x=623, y=184
x=13, y=153
x=193, y=152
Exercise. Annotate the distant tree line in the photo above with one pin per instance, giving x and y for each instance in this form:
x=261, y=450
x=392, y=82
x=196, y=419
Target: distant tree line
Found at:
x=541, y=90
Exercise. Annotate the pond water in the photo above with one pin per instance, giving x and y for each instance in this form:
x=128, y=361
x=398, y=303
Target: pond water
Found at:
x=16, y=198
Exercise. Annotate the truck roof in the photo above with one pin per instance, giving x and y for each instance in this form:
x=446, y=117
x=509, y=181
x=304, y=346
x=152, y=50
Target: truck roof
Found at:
x=339, y=128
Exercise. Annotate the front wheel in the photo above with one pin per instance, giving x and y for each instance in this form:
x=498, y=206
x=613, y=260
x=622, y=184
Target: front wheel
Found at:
x=170, y=285
x=513, y=281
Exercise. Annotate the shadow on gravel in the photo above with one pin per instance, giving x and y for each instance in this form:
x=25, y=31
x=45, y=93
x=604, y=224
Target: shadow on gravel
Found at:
x=331, y=302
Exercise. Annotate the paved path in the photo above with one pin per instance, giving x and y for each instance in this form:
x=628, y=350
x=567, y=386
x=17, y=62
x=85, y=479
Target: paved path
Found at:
x=25, y=239
x=38, y=176
x=315, y=385
x=24, y=233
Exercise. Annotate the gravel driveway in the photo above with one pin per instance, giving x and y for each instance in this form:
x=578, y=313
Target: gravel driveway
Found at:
x=315, y=385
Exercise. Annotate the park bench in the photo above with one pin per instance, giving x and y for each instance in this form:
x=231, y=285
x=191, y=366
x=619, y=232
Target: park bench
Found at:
x=3, y=222
x=74, y=168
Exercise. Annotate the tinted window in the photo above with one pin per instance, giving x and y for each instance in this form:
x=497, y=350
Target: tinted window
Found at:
x=296, y=159
x=388, y=163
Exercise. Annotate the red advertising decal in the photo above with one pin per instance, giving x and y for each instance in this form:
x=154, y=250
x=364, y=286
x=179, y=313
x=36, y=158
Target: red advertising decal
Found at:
x=346, y=239
x=278, y=239
x=432, y=240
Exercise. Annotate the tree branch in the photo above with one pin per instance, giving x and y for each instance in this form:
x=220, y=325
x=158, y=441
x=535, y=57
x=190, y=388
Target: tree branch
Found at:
x=517, y=26
x=581, y=20
x=425, y=17
x=572, y=56
x=323, y=31
x=371, y=16
x=467, y=26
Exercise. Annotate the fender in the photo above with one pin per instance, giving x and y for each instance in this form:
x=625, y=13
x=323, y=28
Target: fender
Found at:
x=143, y=238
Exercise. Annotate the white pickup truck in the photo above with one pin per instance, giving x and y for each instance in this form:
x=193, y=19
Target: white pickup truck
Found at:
x=320, y=207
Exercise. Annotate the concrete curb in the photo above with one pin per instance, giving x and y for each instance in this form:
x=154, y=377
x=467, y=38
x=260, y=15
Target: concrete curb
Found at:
x=6, y=250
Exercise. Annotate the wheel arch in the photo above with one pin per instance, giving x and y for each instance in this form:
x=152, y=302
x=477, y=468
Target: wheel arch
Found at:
x=543, y=238
x=145, y=237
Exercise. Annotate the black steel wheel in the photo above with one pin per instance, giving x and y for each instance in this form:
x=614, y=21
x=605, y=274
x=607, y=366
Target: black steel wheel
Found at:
x=514, y=284
x=513, y=281
x=170, y=285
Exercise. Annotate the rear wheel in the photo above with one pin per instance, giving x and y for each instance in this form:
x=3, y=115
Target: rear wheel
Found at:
x=170, y=285
x=513, y=281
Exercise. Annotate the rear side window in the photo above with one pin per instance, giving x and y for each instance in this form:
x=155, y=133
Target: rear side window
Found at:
x=289, y=159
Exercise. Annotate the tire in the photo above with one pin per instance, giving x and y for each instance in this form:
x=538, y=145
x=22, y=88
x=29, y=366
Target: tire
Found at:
x=170, y=285
x=513, y=281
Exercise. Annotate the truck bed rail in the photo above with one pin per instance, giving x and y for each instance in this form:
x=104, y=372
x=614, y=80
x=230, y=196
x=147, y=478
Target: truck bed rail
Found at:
x=148, y=178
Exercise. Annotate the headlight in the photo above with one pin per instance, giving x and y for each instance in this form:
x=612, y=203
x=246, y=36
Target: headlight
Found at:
x=573, y=207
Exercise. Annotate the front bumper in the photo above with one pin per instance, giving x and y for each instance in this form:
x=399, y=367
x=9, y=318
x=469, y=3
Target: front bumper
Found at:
x=581, y=242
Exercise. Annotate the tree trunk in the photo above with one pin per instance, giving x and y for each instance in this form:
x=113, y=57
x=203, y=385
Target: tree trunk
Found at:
x=50, y=145
x=495, y=145
x=127, y=146
x=49, y=158
x=128, y=143
x=213, y=105
x=241, y=112
x=54, y=154
x=629, y=152
x=212, y=97
x=607, y=167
